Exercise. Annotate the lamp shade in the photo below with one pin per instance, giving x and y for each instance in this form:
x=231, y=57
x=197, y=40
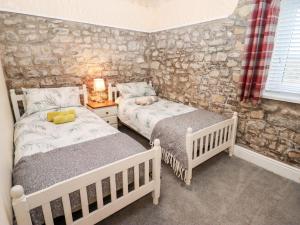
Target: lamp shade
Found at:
x=99, y=84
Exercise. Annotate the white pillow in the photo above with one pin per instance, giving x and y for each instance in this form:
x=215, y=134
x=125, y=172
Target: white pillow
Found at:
x=137, y=89
x=41, y=99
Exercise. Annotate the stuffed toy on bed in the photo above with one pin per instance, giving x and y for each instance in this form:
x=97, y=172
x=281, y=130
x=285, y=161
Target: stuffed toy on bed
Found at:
x=146, y=100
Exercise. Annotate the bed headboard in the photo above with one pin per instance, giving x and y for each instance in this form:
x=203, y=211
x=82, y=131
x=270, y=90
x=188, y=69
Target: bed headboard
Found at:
x=113, y=92
x=16, y=98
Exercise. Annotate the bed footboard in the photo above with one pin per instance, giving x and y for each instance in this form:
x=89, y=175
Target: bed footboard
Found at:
x=204, y=144
x=22, y=204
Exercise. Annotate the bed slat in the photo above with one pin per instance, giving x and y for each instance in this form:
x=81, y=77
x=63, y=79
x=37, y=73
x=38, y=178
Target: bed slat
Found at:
x=47, y=213
x=147, y=172
x=217, y=138
x=99, y=194
x=84, y=201
x=136, y=177
x=201, y=146
x=211, y=141
x=225, y=134
x=221, y=136
x=195, y=148
x=125, y=182
x=67, y=209
x=113, y=189
x=230, y=131
x=206, y=143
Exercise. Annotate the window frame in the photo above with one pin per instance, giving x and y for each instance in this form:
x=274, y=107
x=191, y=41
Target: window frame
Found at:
x=280, y=95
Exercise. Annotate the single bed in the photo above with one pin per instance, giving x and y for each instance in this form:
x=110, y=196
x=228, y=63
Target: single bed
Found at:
x=188, y=136
x=77, y=166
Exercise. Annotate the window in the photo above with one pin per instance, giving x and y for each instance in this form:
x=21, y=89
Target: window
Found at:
x=283, y=82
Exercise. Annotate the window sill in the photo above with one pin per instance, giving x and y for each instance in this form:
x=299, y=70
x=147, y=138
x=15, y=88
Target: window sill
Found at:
x=282, y=96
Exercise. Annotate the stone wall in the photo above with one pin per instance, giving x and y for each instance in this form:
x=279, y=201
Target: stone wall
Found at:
x=201, y=65
x=42, y=52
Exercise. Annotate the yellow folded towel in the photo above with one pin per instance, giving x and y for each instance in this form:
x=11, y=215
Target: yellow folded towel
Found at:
x=64, y=118
x=51, y=115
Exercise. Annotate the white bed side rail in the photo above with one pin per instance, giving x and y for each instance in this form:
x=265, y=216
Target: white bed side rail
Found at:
x=205, y=143
x=22, y=203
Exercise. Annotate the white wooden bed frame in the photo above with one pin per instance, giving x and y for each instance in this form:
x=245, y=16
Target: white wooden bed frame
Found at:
x=22, y=204
x=220, y=136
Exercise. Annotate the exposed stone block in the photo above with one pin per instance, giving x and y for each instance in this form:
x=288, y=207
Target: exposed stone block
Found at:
x=257, y=114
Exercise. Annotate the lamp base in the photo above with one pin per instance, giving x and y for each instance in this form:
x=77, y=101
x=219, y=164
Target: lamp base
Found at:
x=100, y=100
x=100, y=96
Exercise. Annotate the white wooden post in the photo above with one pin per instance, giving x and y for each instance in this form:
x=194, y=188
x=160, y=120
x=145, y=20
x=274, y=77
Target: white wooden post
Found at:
x=189, y=151
x=156, y=171
x=233, y=133
x=110, y=92
x=20, y=205
x=85, y=94
x=15, y=104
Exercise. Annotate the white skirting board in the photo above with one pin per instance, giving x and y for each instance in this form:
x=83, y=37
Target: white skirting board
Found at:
x=267, y=163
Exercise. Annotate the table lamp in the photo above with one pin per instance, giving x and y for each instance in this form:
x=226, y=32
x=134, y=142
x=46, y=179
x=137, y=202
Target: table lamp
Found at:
x=99, y=87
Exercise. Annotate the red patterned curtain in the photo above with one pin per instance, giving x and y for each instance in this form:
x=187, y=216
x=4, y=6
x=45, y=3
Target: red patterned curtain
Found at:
x=259, y=45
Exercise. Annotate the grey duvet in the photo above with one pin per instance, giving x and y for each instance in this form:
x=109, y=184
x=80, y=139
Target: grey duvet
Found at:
x=172, y=135
x=41, y=170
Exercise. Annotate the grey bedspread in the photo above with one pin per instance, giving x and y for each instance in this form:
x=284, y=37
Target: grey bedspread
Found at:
x=42, y=170
x=172, y=135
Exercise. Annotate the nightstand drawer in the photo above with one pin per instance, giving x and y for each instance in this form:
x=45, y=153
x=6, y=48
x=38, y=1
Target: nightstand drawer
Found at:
x=106, y=111
x=110, y=120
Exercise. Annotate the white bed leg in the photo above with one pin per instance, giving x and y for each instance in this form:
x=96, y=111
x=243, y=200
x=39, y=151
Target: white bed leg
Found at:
x=156, y=171
x=189, y=151
x=20, y=206
x=233, y=133
x=188, y=178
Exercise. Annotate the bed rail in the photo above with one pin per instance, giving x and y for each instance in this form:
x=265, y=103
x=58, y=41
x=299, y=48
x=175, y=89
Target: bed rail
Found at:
x=22, y=204
x=204, y=144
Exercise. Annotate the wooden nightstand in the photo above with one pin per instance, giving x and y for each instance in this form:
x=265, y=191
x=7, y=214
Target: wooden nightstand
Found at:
x=106, y=110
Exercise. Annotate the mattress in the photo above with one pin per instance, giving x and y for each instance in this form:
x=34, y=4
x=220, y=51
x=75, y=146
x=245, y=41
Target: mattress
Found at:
x=34, y=134
x=144, y=118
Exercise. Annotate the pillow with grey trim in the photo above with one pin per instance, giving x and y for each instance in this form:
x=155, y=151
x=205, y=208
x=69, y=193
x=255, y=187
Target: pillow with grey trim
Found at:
x=135, y=89
x=41, y=99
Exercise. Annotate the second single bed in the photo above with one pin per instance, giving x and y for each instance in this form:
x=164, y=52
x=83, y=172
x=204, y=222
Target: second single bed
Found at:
x=188, y=136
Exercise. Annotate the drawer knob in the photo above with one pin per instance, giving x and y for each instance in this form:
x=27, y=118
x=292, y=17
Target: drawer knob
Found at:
x=106, y=112
x=107, y=121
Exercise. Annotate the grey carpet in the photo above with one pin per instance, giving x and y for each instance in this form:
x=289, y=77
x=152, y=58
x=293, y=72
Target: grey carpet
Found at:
x=224, y=190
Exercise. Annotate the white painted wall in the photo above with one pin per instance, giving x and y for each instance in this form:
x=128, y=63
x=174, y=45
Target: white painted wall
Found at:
x=177, y=13
x=140, y=15
x=125, y=14
x=6, y=153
